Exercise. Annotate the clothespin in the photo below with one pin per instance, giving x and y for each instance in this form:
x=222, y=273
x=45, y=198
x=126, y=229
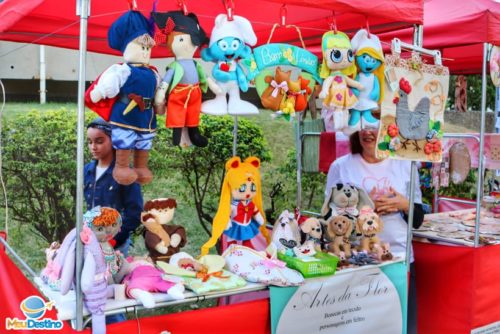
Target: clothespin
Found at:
x=283, y=15
x=333, y=23
x=182, y=6
x=367, y=26
x=132, y=4
x=229, y=5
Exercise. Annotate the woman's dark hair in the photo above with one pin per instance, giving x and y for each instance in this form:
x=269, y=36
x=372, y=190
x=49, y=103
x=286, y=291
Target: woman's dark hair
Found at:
x=355, y=143
x=101, y=124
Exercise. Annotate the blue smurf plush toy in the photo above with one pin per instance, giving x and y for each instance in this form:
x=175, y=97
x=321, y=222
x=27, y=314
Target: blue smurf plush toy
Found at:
x=370, y=63
x=230, y=42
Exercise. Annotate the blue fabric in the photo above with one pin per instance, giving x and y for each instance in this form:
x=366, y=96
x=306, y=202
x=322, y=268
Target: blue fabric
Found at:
x=126, y=28
x=243, y=232
x=142, y=81
x=126, y=139
x=107, y=192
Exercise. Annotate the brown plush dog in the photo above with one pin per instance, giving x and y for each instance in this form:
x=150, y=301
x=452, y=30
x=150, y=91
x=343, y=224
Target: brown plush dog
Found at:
x=369, y=225
x=339, y=229
x=278, y=86
x=313, y=231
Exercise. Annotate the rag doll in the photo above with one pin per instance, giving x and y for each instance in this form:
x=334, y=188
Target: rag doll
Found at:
x=162, y=239
x=311, y=227
x=273, y=96
x=145, y=278
x=337, y=69
x=129, y=89
x=228, y=45
x=339, y=229
x=370, y=65
x=369, y=225
x=286, y=234
x=240, y=215
x=345, y=199
x=185, y=79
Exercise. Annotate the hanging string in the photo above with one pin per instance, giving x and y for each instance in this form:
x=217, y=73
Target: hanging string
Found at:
x=4, y=190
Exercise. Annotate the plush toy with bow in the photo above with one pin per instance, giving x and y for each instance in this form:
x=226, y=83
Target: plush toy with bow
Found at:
x=337, y=69
x=185, y=79
x=162, y=239
x=370, y=64
x=369, y=225
x=229, y=43
x=274, y=95
x=241, y=214
x=123, y=95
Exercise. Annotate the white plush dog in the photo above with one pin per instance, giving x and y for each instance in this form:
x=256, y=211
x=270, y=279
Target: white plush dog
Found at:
x=286, y=233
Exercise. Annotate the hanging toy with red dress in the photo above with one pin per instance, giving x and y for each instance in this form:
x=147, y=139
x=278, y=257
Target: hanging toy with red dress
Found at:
x=241, y=214
x=185, y=79
x=123, y=95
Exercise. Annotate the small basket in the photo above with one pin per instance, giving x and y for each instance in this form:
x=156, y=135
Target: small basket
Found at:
x=325, y=265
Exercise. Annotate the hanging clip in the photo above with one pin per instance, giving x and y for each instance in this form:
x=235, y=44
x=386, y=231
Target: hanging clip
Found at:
x=283, y=15
x=367, y=26
x=182, y=6
x=333, y=23
x=132, y=4
x=229, y=4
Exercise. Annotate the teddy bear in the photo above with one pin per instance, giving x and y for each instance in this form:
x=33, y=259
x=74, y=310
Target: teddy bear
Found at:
x=369, y=225
x=273, y=96
x=229, y=44
x=123, y=95
x=345, y=199
x=286, y=234
x=339, y=229
x=383, y=252
x=162, y=239
x=311, y=227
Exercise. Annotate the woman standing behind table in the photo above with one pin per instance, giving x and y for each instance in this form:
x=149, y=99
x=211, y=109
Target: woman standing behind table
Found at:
x=388, y=183
x=101, y=189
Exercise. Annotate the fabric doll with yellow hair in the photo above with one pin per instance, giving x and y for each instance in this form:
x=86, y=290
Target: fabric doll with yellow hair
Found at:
x=240, y=215
x=370, y=65
x=337, y=69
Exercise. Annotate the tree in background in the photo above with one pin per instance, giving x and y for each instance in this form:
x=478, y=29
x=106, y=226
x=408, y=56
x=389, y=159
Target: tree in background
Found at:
x=474, y=83
x=200, y=172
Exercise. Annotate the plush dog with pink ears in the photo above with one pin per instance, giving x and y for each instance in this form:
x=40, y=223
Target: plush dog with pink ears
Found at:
x=369, y=225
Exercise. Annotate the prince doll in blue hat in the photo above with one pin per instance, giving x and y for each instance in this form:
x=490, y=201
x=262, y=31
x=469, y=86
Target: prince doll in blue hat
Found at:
x=132, y=87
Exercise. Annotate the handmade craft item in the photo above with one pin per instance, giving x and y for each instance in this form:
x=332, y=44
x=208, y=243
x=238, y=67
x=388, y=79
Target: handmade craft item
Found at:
x=495, y=65
x=337, y=70
x=123, y=95
x=286, y=233
x=185, y=79
x=461, y=93
x=412, y=109
x=369, y=225
x=240, y=215
x=345, y=199
x=460, y=162
x=313, y=231
x=370, y=65
x=339, y=229
x=285, y=75
x=162, y=238
x=260, y=267
x=229, y=45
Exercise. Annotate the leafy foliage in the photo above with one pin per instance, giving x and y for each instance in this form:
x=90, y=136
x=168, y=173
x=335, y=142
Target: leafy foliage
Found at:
x=201, y=171
x=39, y=162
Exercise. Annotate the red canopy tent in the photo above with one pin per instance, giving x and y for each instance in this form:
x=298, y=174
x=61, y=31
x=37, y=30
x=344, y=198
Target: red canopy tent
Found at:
x=55, y=23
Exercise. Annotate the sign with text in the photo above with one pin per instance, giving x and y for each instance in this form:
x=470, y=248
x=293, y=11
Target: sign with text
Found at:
x=360, y=301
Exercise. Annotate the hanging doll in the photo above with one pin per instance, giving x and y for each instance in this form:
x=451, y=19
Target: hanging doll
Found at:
x=370, y=65
x=128, y=89
x=228, y=45
x=185, y=79
x=337, y=69
x=162, y=239
x=240, y=215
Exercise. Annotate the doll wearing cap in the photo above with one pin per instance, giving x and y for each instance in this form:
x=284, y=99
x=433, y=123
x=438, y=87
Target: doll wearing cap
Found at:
x=240, y=215
x=230, y=41
x=131, y=86
x=185, y=79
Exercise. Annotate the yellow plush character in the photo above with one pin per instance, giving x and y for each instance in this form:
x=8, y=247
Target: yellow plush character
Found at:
x=240, y=215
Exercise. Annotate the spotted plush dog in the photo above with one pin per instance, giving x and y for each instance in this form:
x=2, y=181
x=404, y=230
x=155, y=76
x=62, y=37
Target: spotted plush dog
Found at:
x=286, y=233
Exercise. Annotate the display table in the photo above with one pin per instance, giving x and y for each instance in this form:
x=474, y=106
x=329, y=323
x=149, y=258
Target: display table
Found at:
x=458, y=288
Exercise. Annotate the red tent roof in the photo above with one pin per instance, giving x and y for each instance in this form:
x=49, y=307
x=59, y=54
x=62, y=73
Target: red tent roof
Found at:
x=54, y=22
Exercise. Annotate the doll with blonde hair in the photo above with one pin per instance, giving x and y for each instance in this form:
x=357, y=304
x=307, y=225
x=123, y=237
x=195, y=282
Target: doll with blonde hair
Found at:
x=337, y=69
x=241, y=214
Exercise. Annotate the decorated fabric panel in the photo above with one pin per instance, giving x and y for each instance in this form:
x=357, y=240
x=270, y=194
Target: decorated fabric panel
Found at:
x=286, y=77
x=495, y=66
x=257, y=267
x=220, y=281
x=412, y=117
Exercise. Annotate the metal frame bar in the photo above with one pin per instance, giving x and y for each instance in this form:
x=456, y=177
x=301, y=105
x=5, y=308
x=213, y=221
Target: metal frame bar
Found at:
x=17, y=257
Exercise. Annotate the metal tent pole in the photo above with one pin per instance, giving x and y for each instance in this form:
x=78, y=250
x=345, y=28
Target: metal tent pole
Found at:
x=43, y=76
x=83, y=7
x=298, y=157
x=480, y=168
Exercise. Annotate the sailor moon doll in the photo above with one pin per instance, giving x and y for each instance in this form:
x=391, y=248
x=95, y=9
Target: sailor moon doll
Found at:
x=337, y=69
x=240, y=215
